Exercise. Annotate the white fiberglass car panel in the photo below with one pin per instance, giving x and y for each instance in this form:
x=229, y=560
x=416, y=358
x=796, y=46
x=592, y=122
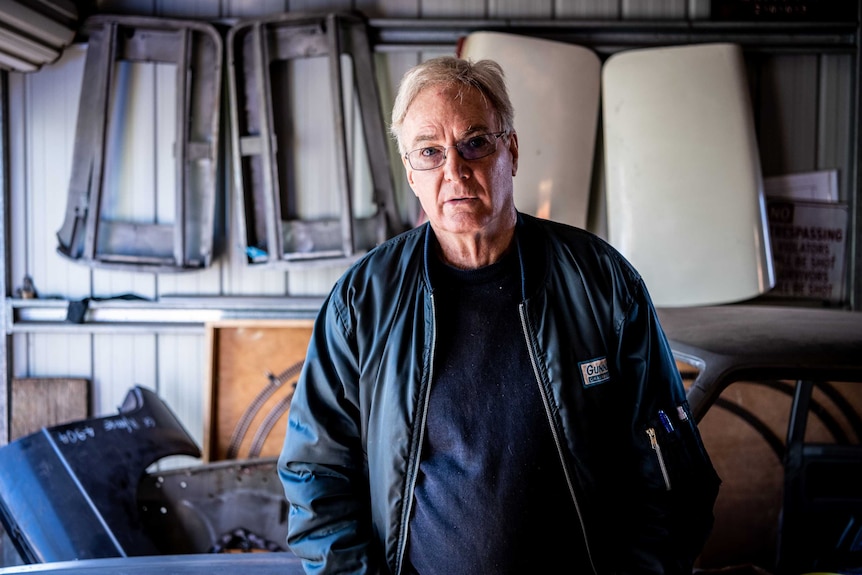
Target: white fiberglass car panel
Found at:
x=685, y=199
x=554, y=88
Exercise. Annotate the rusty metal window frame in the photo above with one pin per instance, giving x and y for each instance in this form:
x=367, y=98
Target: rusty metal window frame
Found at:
x=87, y=236
x=272, y=231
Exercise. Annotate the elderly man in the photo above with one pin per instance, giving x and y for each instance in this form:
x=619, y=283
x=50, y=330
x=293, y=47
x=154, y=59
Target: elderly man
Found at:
x=489, y=393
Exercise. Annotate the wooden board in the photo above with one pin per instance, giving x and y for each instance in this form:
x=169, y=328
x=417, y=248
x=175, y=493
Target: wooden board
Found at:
x=244, y=357
x=554, y=88
x=45, y=402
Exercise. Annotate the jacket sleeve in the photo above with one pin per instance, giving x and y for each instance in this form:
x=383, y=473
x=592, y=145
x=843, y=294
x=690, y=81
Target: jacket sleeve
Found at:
x=675, y=485
x=321, y=465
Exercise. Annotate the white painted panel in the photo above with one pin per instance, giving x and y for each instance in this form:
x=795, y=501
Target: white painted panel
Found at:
x=182, y=379
x=314, y=282
x=588, y=9
x=556, y=114
x=521, y=9
x=254, y=281
x=835, y=106
x=162, y=101
x=129, y=188
x=59, y=355
x=204, y=282
x=20, y=366
x=313, y=141
x=684, y=187
x=50, y=112
x=240, y=279
x=120, y=362
x=112, y=284
x=788, y=114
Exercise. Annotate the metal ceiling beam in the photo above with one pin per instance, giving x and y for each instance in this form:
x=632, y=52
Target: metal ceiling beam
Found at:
x=389, y=34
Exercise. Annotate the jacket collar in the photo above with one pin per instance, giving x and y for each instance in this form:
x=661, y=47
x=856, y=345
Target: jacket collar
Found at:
x=527, y=244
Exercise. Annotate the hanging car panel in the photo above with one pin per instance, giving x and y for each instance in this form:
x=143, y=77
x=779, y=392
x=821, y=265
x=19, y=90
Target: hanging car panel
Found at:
x=108, y=222
x=301, y=192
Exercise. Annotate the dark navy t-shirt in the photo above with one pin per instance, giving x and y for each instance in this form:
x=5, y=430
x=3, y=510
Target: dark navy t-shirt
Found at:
x=491, y=496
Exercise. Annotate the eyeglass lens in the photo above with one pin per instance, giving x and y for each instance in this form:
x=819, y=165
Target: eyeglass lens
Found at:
x=472, y=148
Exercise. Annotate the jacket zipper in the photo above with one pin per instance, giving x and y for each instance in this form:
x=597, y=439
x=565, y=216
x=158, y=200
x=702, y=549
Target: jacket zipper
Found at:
x=547, y=406
x=413, y=473
x=657, y=448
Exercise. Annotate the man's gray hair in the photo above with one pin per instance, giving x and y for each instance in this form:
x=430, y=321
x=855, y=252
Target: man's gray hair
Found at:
x=484, y=75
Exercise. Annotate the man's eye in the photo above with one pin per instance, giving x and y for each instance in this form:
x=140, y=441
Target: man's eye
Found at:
x=429, y=152
x=476, y=143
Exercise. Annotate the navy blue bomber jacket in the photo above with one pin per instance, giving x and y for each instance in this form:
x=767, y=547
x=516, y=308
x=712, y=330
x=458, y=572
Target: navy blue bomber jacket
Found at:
x=641, y=480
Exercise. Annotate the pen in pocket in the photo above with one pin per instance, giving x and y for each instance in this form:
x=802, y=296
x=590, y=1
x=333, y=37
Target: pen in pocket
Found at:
x=665, y=421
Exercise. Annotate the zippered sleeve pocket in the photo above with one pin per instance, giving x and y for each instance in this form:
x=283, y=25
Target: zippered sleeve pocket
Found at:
x=677, y=454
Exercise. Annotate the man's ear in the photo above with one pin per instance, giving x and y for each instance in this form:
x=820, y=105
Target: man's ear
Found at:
x=513, y=149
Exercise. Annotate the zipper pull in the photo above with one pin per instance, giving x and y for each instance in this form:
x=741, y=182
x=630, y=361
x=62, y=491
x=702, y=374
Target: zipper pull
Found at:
x=653, y=440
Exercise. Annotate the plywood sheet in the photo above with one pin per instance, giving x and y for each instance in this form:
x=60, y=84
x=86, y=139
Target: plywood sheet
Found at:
x=45, y=402
x=253, y=366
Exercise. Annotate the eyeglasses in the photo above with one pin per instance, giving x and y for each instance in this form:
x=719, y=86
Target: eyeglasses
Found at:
x=472, y=148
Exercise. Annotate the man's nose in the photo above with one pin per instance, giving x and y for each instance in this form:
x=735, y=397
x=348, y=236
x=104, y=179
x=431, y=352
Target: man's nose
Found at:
x=454, y=166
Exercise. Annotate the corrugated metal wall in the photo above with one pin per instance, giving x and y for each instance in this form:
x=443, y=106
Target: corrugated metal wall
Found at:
x=803, y=103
